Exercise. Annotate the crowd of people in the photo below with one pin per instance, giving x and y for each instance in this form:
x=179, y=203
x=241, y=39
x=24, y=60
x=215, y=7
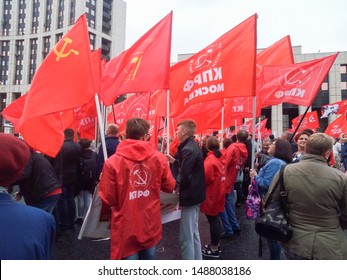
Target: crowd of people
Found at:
x=211, y=176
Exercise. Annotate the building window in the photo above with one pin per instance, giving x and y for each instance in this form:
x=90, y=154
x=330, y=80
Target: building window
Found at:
x=48, y=19
x=33, y=59
x=46, y=46
x=18, y=76
x=72, y=12
x=105, y=49
x=92, y=40
x=2, y=107
x=58, y=37
x=61, y=14
x=36, y=13
x=21, y=17
x=6, y=20
x=106, y=16
x=4, y=61
x=91, y=11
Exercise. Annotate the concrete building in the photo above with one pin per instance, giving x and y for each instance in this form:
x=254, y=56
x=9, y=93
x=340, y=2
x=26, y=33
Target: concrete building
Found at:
x=29, y=29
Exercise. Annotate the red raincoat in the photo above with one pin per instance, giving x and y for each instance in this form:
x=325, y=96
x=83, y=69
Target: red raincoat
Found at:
x=215, y=185
x=235, y=158
x=130, y=183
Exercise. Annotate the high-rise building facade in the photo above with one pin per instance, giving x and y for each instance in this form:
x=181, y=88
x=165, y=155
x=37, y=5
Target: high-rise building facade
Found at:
x=29, y=29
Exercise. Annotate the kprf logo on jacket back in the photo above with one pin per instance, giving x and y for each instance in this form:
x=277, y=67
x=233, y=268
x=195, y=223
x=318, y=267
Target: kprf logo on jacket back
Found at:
x=139, y=178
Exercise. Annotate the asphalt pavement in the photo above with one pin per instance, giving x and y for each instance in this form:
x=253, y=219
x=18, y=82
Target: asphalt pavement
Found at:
x=243, y=246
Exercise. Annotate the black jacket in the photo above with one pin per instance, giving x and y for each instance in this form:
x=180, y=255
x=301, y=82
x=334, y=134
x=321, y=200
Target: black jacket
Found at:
x=71, y=158
x=37, y=179
x=191, y=173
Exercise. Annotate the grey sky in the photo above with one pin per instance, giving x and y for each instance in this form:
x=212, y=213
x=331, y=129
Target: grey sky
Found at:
x=316, y=25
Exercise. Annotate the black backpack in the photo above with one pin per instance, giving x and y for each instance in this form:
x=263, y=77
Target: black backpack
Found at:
x=87, y=169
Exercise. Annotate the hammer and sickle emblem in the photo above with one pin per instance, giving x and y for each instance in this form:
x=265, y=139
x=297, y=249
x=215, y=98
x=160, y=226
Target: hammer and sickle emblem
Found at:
x=61, y=53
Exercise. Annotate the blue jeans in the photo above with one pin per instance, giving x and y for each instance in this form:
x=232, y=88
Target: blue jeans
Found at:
x=48, y=203
x=228, y=217
x=147, y=254
x=189, y=233
x=275, y=249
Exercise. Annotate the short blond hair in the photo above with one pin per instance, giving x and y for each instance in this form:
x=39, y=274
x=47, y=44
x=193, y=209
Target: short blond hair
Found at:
x=189, y=126
x=319, y=144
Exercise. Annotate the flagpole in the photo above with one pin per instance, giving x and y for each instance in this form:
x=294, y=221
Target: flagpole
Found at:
x=253, y=130
x=222, y=121
x=296, y=129
x=168, y=122
x=101, y=126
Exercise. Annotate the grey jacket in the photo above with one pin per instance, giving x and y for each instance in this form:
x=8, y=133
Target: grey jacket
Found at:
x=317, y=203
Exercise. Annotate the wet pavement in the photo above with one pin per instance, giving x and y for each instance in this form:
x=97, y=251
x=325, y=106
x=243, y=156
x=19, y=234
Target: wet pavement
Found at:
x=243, y=246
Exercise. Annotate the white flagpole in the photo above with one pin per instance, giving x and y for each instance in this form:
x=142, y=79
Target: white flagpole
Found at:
x=91, y=223
x=101, y=126
x=168, y=122
x=222, y=122
x=253, y=130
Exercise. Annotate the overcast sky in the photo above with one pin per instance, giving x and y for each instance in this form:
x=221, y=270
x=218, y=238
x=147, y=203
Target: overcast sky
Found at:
x=316, y=25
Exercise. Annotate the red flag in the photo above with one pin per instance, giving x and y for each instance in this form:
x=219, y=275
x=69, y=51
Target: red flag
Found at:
x=280, y=53
x=14, y=111
x=226, y=68
x=295, y=83
x=238, y=107
x=198, y=113
x=337, y=127
x=65, y=80
x=334, y=108
x=309, y=121
x=144, y=67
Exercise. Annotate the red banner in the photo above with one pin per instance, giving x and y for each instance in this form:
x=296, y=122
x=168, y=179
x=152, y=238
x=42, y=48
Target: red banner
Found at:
x=296, y=83
x=337, y=127
x=310, y=121
x=334, y=108
x=65, y=80
x=226, y=68
x=144, y=67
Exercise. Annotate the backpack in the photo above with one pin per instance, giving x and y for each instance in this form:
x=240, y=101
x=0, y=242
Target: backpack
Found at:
x=87, y=169
x=253, y=201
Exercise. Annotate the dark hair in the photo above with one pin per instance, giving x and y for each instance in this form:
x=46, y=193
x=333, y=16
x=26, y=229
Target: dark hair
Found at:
x=283, y=150
x=242, y=136
x=297, y=136
x=234, y=138
x=308, y=131
x=212, y=144
x=85, y=144
x=69, y=133
x=227, y=142
x=136, y=128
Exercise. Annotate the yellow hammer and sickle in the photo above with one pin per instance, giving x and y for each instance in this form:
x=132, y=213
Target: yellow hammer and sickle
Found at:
x=61, y=53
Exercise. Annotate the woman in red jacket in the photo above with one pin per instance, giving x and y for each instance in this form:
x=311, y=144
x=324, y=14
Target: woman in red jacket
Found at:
x=215, y=195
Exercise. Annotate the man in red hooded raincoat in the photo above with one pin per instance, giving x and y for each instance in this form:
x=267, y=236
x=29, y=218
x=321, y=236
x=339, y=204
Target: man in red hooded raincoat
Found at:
x=130, y=184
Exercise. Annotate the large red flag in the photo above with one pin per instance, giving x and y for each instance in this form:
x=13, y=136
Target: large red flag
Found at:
x=14, y=111
x=334, y=108
x=144, y=67
x=337, y=127
x=65, y=80
x=226, y=68
x=295, y=83
x=310, y=120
